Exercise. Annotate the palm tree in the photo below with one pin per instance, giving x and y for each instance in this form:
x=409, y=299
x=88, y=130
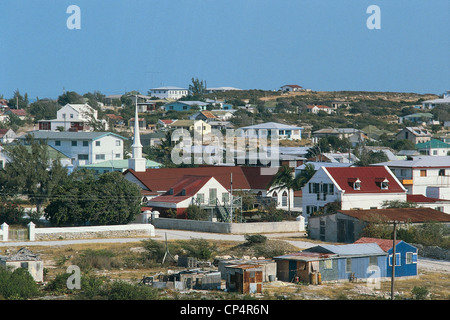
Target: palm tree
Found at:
x=284, y=179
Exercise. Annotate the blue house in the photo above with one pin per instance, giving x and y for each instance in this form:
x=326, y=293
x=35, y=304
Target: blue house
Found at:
x=406, y=256
x=333, y=263
x=185, y=105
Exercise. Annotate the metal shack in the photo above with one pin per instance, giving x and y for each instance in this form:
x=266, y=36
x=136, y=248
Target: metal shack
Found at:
x=333, y=263
x=269, y=267
x=244, y=278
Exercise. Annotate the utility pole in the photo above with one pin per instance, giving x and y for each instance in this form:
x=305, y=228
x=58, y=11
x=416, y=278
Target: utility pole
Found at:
x=231, y=197
x=393, y=261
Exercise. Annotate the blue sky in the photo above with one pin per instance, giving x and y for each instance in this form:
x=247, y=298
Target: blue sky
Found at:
x=128, y=45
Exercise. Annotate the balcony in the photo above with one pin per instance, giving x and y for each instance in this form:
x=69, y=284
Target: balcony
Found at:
x=407, y=182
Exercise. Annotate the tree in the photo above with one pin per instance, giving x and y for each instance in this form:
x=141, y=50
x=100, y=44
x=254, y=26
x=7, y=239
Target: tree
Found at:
x=305, y=175
x=87, y=200
x=198, y=87
x=70, y=97
x=283, y=179
x=18, y=101
x=44, y=109
x=31, y=172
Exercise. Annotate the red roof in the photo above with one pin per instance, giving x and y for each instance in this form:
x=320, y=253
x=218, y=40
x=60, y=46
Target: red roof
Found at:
x=185, y=188
x=18, y=112
x=413, y=215
x=370, y=177
x=421, y=198
x=319, y=106
x=293, y=86
x=166, y=121
x=244, y=178
x=385, y=244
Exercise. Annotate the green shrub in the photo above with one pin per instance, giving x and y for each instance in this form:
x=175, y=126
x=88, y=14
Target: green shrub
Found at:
x=200, y=249
x=196, y=213
x=420, y=293
x=97, y=259
x=154, y=250
x=17, y=284
x=120, y=290
x=255, y=238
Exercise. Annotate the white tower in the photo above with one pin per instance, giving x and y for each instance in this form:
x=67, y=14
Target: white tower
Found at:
x=137, y=162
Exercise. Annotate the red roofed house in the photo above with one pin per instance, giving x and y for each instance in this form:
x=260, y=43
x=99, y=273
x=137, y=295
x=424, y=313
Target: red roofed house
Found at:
x=190, y=190
x=248, y=179
x=21, y=113
x=347, y=225
x=352, y=187
x=427, y=202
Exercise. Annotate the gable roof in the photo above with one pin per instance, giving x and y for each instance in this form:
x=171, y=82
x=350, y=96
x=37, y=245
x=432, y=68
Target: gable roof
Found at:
x=417, y=131
x=348, y=249
x=185, y=188
x=370, y=177
x=244, y=178
x=413, y=215
x=433, y=144
x=384, y=244
x=292, y=86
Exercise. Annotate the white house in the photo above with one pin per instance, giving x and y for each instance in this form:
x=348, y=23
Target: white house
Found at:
x=352, y=187
x=198, y=190
x=426, y=175
x=7, y=136
x=434, y=147
x=72, y=117
x=414, y=134
x=316, y=108
x=291, y=88
x=83, y=147
x=170, y=92
x=431, y=104
x=427, y=202
x=284, y=131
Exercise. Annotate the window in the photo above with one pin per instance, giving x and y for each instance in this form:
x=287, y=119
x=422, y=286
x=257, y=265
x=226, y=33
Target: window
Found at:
x=411, y=257
x=57, y=143
x=284, y=201
x=83, y=157
x=117, y=143
x=403, y=172
x=397, y=259
x=357, y=185
x=85, y=143
x=99, y=157
x=74, y=143
x=373, y=261
x=71, y=116
x=328, y=264
x=117, y=155
x=384, y=185
x=441, y=172
x=200, y=198
x=97, y=143
x=348, y=265
x=225, y=197
x=423, y=173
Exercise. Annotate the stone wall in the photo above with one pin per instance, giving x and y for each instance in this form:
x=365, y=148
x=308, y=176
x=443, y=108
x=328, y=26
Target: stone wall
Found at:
x=433, y=252
x=234, y=228
x=71, y=233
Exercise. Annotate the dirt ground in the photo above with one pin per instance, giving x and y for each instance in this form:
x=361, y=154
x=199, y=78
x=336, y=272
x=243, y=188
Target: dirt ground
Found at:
x=433, y=275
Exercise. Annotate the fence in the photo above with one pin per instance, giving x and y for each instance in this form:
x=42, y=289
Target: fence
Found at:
x=113, y=231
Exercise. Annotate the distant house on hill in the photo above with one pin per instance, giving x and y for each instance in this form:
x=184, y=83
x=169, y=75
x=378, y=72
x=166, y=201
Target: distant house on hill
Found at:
x=186, y=105
x=7, y=136
x=291, y=88
x=316, y=108
x=72, y=117
x=414, y=134
x=434, y=147
x=169, y=92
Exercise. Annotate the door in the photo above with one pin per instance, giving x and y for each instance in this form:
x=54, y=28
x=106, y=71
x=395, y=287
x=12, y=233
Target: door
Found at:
x=212, y=196
x=292, y=270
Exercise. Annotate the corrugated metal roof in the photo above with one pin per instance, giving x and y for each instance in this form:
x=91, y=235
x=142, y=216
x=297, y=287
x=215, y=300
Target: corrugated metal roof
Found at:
x=413, y=215
x=348, y=249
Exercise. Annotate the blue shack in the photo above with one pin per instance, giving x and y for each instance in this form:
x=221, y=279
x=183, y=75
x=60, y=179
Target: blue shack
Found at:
x=406, y=256
x=333, y=263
